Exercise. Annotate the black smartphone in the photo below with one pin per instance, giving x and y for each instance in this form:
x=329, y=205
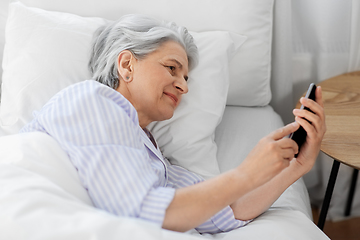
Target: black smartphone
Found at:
x=299, y=136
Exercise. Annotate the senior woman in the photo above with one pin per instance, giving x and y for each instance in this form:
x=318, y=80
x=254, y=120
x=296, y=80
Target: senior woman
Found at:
x=141, y=70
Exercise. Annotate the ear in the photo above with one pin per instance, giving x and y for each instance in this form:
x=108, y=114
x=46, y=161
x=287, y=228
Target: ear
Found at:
x=124, y=65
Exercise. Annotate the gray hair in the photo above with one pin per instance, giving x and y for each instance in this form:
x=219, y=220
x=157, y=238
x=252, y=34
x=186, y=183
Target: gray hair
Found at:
x=139, y=34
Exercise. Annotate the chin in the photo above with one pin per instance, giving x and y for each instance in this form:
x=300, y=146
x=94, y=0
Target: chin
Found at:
x=164, y=113
x=167, y=116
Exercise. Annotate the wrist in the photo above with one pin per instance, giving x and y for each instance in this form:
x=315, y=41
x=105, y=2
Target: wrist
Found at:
x=244, y=175
x=296, y=170
x=303, y=165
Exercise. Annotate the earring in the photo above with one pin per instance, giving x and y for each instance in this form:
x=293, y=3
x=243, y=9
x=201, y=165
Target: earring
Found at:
x=127, y=78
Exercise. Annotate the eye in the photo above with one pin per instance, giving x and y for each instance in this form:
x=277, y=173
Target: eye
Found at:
x=172, y=68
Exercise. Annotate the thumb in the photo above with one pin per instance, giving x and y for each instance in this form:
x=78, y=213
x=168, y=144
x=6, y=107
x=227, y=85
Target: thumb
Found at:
x=285, y=131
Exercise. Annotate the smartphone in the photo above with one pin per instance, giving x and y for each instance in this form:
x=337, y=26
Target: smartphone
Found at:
x=299, y=136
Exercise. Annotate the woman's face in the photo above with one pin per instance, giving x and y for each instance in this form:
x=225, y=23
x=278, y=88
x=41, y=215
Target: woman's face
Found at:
x=158, y=83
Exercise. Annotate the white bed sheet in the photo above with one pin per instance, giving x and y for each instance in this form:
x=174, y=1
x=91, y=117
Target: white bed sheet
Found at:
x=41, y=198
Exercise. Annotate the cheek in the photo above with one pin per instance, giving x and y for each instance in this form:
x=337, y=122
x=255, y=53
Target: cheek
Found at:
x=180, y=99
x=151, y=80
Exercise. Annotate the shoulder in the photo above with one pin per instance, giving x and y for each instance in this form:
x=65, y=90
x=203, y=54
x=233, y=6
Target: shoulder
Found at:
x=93, y=111
x=93, y=96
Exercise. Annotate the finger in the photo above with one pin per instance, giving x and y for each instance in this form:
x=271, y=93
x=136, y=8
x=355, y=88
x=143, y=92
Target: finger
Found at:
x=289, y=154
x=284, y=131
x=317, y=118
x=318, y=96
x=287, y=143
x=309, y=128
x=313, y=106
x=311, y=117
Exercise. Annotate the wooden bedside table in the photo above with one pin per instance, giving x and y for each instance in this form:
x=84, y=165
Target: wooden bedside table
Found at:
x=341, y=96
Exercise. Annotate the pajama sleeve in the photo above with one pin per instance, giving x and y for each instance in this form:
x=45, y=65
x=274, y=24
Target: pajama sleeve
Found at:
x=223, y=221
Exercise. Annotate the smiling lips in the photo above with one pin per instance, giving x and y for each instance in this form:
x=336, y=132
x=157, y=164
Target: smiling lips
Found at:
x=172, y=97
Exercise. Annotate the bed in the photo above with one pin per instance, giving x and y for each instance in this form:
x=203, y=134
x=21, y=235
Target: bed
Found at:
x=235, y=98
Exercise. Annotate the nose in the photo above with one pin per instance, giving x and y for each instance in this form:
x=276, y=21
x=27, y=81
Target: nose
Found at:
x=181, y=85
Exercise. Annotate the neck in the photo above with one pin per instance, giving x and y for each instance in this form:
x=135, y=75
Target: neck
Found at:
x=143, y=120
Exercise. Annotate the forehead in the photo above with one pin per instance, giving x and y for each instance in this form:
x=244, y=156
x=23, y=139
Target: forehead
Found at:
x=171, y=51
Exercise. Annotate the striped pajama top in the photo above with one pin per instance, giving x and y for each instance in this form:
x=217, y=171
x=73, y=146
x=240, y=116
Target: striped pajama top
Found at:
x=122, y=170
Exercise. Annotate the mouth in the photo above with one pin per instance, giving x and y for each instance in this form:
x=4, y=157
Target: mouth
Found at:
x=172, y=97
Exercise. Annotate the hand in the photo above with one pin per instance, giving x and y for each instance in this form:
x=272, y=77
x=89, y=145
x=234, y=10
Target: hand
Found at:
x=315, y=130
x=271, y=155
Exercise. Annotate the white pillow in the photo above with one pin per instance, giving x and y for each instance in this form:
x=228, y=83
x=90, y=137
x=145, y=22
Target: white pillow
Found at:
x=240, y=130
x=249, y=69
x=44, y=53
x=47, y=51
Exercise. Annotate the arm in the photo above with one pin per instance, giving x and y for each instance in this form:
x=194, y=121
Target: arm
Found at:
x=195, y=204
x=259, y=200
